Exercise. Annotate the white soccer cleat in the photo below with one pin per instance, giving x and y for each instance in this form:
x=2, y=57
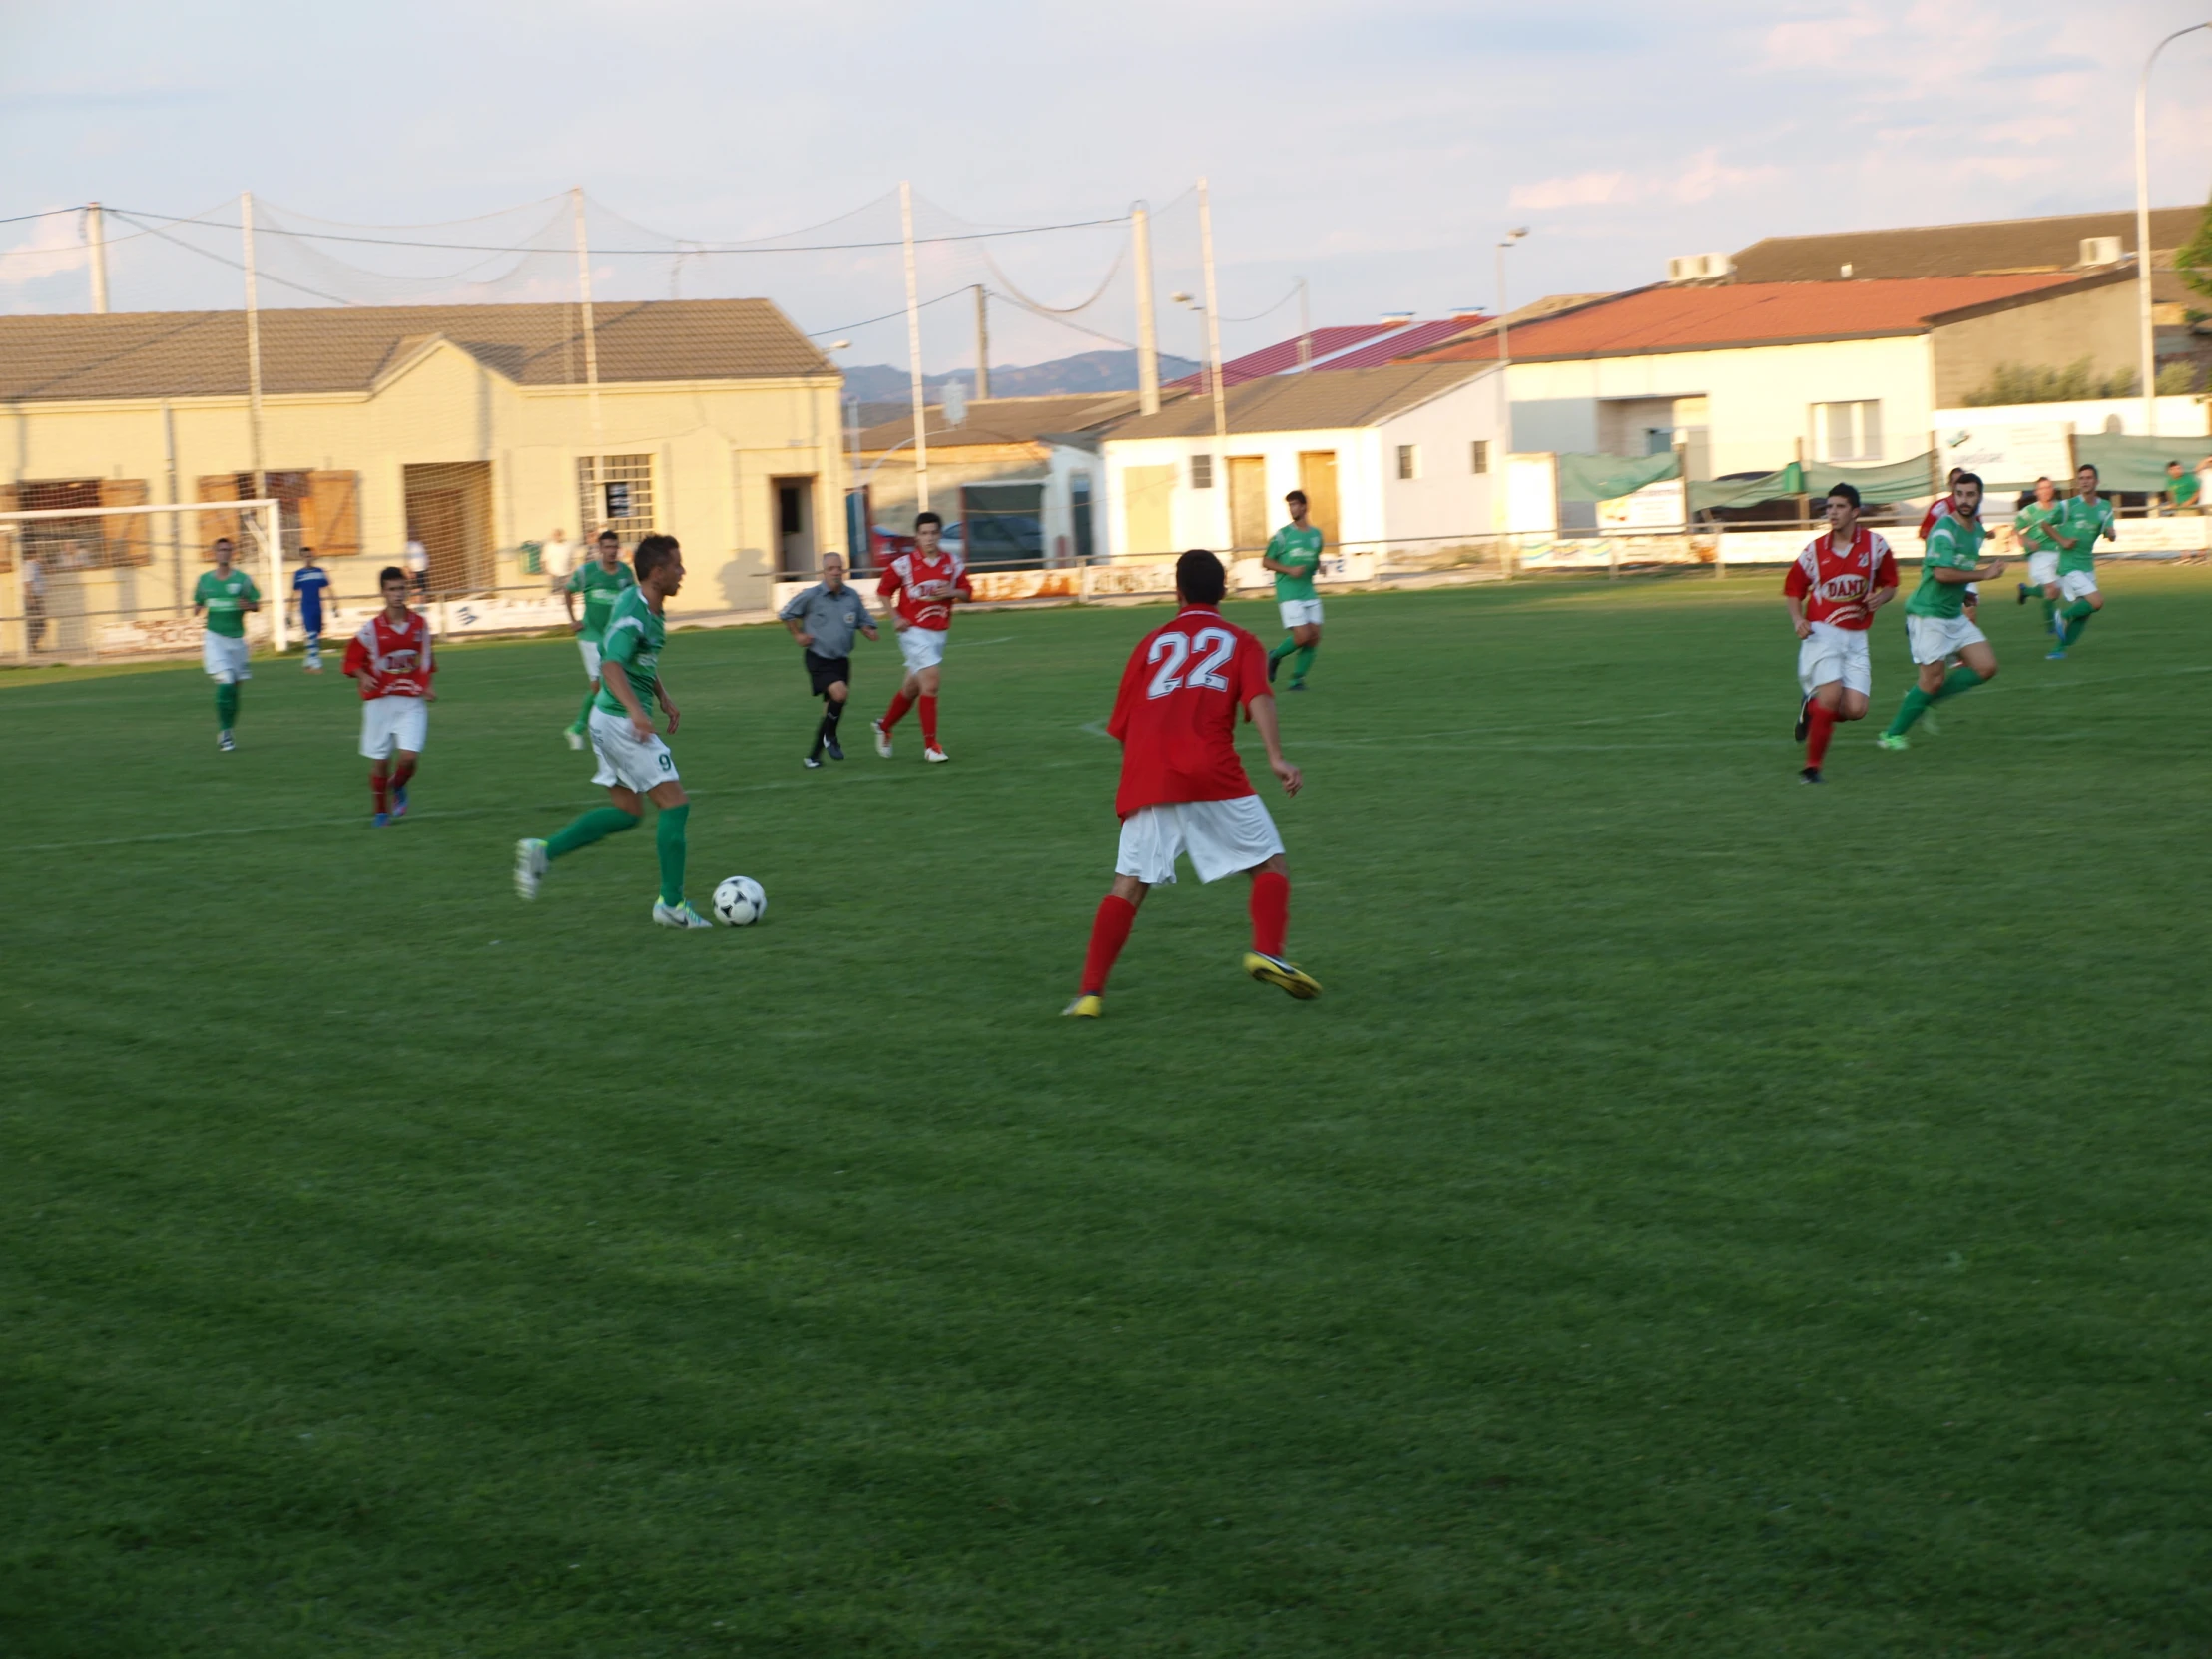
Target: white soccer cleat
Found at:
x=933, y=752
x=575, y=738
x=530, y=867
x=224, y=741
x=678, y=914
x=883, y=739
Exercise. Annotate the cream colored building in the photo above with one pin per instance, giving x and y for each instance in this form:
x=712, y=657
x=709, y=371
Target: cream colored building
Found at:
x=472, y=426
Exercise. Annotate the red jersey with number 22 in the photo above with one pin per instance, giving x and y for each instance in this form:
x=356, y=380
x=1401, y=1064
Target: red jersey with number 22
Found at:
x=1175, y=713
x=1835, y=585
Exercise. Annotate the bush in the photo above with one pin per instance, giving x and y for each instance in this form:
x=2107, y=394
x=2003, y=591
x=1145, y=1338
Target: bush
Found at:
x=2032, y=383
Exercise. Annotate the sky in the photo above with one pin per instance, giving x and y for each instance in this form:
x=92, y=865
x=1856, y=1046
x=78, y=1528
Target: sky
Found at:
x=1378, y=150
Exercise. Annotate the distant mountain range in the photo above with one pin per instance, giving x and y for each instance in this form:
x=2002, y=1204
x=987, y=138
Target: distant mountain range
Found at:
x=1099, y=372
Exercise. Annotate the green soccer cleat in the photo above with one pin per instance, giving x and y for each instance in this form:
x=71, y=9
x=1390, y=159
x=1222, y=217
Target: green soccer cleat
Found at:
x=678, y=914
x=1891, y=740
x=1272, y=971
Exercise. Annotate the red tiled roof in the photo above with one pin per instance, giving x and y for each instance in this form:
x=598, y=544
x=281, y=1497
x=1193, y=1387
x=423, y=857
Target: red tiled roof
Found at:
x=1752, y=314
x=1283, y=356
x=1397, y=346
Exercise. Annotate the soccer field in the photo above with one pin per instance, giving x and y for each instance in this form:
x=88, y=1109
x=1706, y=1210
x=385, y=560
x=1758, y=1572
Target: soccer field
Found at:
x=1704, y=1214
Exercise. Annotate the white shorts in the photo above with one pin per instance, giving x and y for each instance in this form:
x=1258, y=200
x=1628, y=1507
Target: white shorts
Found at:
x=1296, y=613
x=1830, y=653
x=624, y=759
x=389, y=722
x=1933, y=637
x=921, y=647
x=226, y=659
x=1221, y=837
x=2043, y=568
x=2078, y=584
x=591, y=657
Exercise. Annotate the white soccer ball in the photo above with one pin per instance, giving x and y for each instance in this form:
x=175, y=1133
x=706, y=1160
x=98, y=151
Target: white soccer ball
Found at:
x=739, y=902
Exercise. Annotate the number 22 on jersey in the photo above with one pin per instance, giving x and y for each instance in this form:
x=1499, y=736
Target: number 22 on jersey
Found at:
x=1170, y=652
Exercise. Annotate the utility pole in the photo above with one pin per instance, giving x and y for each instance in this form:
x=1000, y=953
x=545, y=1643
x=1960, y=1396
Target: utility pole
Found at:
x=2148, y=339
x=1305, y=331
x=253, y=349
x=1213, y=326
x=95, y=240
x=914, y=348
x=591, y=335
x=982, y=343
x=1148, y=336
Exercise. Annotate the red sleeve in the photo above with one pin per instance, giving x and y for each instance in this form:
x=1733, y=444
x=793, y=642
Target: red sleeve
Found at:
x=967, y=587
x=888, y=588
x=1251, y=669
x=1927, y=519
x=1125, y=698
x=1796, y=581
x=356, y=655
x=1886, y=576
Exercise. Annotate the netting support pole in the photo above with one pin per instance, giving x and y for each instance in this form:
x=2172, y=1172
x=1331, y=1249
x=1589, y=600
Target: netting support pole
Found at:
x=175, y=541
x=1148, y=334
x=591, y=334
x=96, y=252
x=914, y=348
x=982, y=342
x=252, y=348
x=271, y=520
x=1213, y=357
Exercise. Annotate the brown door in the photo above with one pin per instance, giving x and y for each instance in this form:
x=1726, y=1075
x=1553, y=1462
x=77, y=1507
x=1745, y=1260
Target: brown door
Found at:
x=1316, y=476
x=436, y=519
x=450, y=511
x=1248, y=502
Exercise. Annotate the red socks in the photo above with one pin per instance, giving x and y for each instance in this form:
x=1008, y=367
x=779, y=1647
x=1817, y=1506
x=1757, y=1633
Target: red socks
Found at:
x=930, y=720
x=401, y=773
x=1109, y=933
x=1819, y=727
x=1271, y=913
x=378, y=785
x=900, y=703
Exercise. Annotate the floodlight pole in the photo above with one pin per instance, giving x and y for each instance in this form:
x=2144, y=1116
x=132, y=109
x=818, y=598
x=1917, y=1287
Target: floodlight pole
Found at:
x=2148, y=334
x=1148, y=331
x=591, y=340
x=253, y=346
x=982, y=343
x=914, y=348
x=96, y=241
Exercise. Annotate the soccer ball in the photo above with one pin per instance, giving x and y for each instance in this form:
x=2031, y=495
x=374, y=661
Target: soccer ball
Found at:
x=739, y=902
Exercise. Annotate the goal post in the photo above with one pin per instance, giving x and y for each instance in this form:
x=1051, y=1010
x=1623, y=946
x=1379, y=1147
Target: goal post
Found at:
x=84, y=584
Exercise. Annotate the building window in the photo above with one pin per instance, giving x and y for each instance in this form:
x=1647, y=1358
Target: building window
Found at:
x=1409, y=460
x=1847, y=431
x=1202, y=472
x=1478, y=457
x=614, y=492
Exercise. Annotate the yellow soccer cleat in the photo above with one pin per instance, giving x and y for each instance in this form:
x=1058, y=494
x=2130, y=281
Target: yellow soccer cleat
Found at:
x=1272, y=971
x=1085, y=1007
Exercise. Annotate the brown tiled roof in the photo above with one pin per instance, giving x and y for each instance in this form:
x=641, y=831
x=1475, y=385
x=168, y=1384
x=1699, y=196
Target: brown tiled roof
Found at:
x=1002, y=420
x=1305, y=402
x=203, y=353
x=1760, y=313
x=2000, y=245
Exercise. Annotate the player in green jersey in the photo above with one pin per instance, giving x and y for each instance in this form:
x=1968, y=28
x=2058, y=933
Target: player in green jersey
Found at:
x=602, y=581
x=1293, y=554
x=2041, y=530
x=226, y=594
x=2088, y=516
x=635, y=766
x=1936, y=619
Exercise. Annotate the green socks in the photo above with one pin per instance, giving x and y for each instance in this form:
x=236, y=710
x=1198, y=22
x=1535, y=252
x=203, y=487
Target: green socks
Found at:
x=1289, y=645
x=1959, y=679
x=1915, y=704
x=583, y=715
x=595, y=826
x=669, y=832
x=226, y=704
x=1303, y=660
x=2050, y=609
x=2077, y=617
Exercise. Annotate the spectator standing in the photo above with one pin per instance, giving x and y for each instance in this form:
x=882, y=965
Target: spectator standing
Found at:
x=558, y=557
x=418, y=561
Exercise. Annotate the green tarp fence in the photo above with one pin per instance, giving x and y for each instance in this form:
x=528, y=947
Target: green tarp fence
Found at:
x=1603, y=477
x=2137, y=464
x=1877, y=485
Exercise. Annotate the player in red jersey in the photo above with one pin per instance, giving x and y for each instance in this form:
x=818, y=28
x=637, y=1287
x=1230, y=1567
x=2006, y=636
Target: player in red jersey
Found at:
x=391, y=659
x=1183, y=790
x=1834, y=588
x=923, y=586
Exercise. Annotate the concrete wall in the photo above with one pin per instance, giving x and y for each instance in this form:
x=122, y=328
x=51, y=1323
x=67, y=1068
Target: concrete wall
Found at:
x=2099, y=324
x=714, y=446
x=1448, y=498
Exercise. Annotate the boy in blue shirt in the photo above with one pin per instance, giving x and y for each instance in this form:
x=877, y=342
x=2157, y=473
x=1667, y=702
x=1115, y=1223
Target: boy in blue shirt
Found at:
x=309, y=582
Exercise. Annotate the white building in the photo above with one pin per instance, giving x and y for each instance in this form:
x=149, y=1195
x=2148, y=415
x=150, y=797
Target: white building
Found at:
x=1404, y=453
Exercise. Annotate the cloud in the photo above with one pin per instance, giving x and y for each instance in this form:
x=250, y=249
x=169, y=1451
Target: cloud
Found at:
x=1705, y=177
x=54, y=246
x=1582, y=190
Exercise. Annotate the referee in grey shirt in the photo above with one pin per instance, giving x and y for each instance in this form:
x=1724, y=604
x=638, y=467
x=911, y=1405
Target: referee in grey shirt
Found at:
x=824, y=619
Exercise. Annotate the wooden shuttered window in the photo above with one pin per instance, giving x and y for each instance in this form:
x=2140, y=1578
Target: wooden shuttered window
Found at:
x=213, y=527
x=129, y=540
x=8, y=532
x=331, y=520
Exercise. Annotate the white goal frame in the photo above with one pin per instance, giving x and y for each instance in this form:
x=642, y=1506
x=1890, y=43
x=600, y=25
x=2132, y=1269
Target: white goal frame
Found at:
x=260, y=520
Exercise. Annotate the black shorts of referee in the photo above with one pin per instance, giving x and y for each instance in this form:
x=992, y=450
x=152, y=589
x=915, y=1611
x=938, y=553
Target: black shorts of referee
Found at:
x=824, y=672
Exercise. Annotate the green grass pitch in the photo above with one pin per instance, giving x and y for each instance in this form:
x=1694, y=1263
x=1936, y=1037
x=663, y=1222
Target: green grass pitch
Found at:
x=1705, y=1214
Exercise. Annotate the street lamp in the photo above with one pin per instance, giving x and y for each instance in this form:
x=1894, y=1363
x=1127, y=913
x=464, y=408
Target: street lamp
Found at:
x=2143, y=230
x=1504, y=342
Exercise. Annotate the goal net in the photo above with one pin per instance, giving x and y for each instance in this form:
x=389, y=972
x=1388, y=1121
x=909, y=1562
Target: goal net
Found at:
x=86, y=582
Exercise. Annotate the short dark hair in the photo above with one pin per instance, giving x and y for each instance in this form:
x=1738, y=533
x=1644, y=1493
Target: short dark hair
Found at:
x=223, y=541
x=653, y=552
x=1973, y=478
x=1956, y=473
x=1850, y=492
x=391, y=573
x=1200, y=577
x=604, y=535
x=928, y=518
x=2090, y=471
x=1296, y=495
x=306, y=552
